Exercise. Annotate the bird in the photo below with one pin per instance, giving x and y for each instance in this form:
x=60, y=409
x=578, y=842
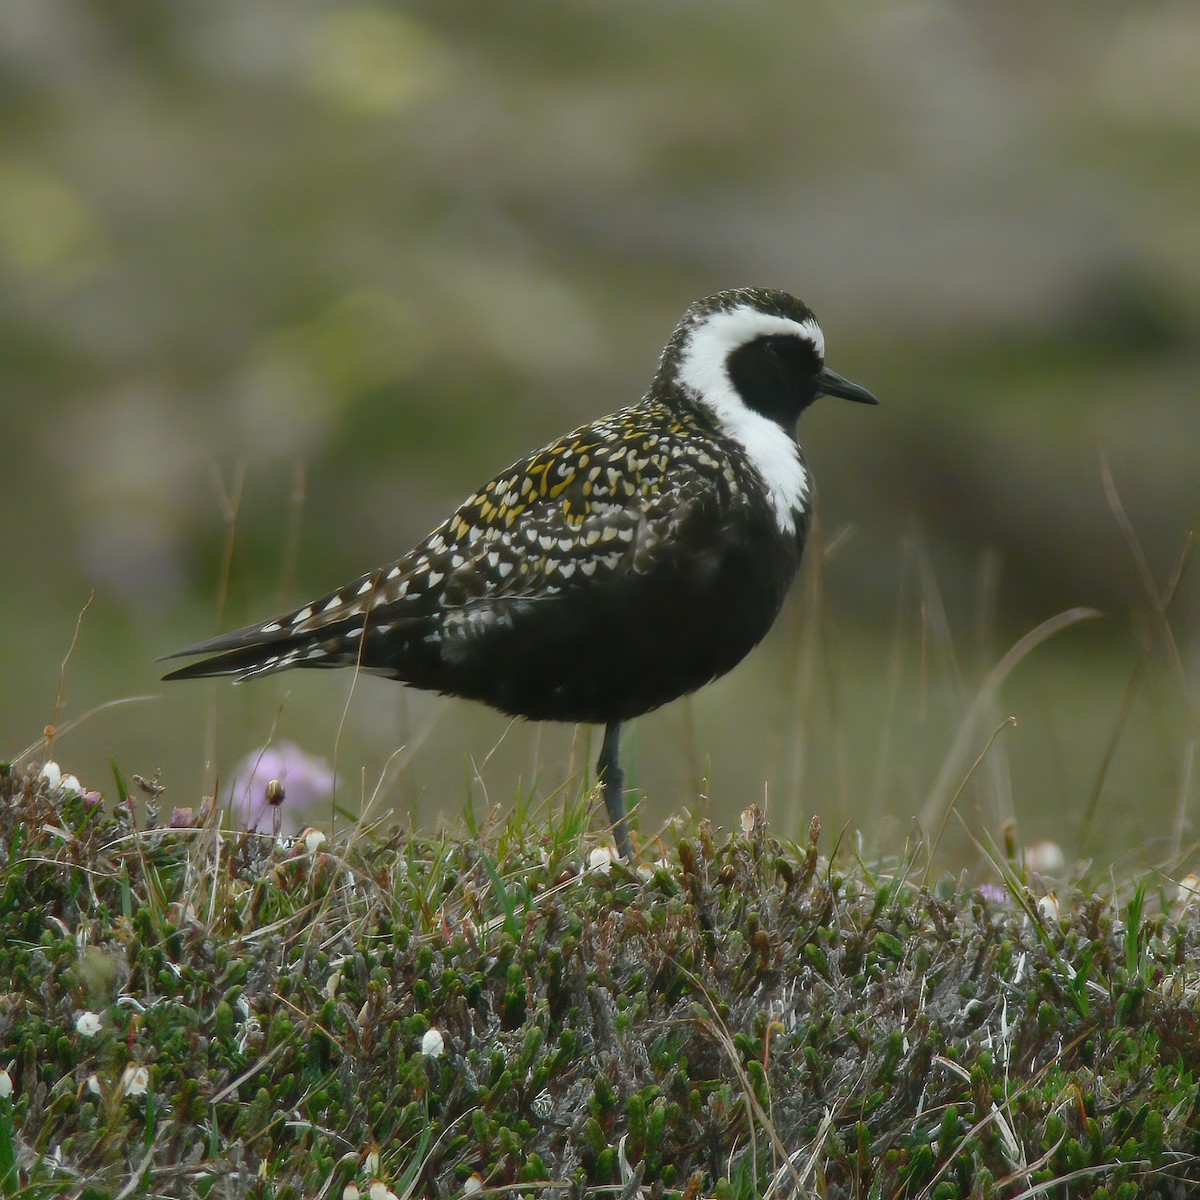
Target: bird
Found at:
x=615, y=569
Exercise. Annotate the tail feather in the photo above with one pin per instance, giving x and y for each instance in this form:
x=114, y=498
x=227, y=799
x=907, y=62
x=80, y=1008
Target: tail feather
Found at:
x=245, y=664
x=258, y=650
x=335, y=631
x=252, y=651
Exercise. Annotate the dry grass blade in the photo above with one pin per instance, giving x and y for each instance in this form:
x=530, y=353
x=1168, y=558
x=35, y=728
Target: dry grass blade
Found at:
x=1114, y=738
x=52, y=729
x=230, y=501
x=754, y=1109
x=1007, y=723
x=1159, y=601
x=67, y=726
x=291, y=544
x=956, y=758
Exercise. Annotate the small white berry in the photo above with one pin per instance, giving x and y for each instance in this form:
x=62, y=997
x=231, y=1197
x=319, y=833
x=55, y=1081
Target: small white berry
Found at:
x=52, y=774
x=6, y=1088
x=433, y=1045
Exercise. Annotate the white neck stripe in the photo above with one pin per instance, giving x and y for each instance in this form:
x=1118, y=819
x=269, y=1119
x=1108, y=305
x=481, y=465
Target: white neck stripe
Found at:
x=703, y=370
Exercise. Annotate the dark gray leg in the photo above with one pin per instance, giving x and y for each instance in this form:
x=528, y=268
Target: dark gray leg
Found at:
x=612, y=779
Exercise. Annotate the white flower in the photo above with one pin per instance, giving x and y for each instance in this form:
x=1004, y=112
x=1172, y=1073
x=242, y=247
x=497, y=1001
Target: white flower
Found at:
x=93, y=1086
x=251, y=1028
x=5, y=1084
x=88, y=1024
x=136, y=1080
x=473, y=1184
x=350, y=1192
x=433, y=1044
x=1045, y=858
x=380, y=1191
x=68, y=783
x=52, y=774
x=602, y=858
x=314, y=839
x=1048, y=907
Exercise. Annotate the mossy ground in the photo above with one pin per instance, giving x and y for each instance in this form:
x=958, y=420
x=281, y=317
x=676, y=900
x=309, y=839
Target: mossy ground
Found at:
x=741, y=1018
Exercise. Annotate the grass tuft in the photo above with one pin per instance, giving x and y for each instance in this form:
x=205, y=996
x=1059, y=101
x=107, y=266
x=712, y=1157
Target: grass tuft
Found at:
x=190, y=1010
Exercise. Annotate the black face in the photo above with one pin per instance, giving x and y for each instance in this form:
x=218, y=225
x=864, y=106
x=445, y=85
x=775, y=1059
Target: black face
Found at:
x=776, y=376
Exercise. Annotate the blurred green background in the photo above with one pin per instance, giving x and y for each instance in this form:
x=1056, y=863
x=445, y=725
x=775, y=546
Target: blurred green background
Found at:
x=297, y=276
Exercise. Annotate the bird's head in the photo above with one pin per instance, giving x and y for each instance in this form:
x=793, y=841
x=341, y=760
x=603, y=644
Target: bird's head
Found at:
x=753, y=352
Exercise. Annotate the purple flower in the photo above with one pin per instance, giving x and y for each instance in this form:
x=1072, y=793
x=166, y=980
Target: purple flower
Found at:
x=993, y=893
x=302, y=780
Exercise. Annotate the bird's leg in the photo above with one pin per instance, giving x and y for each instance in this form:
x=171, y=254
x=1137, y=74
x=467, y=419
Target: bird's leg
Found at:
x=612, y=780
